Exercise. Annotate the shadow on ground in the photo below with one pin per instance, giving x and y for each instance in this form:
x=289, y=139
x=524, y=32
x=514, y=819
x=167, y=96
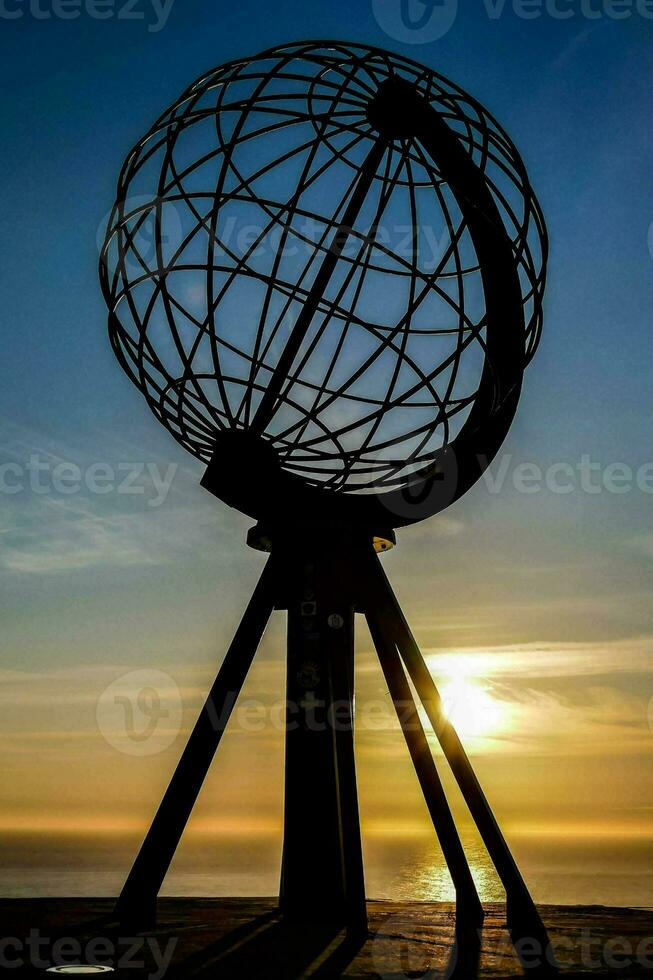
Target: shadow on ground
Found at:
x=245, y=939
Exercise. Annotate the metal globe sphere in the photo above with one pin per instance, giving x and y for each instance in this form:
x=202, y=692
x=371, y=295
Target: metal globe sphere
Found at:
x=333, y=254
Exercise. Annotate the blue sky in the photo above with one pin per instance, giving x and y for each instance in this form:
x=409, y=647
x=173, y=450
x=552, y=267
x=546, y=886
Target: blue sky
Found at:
x=111, y=582
x=573, y=94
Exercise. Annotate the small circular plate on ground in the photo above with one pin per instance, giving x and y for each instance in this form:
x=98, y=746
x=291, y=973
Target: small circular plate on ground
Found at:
x=75, y=969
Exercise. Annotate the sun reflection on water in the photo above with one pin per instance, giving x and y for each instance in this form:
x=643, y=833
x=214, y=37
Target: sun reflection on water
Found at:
x=424, y=876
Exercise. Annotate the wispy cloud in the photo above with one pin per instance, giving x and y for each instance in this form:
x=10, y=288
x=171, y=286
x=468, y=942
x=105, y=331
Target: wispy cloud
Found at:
x=547, y=660
x=51, y=534
x=577, y=42
x=152, y=511
x=65, y=546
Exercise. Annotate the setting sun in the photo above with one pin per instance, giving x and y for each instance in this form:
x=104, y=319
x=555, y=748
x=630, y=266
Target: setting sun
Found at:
x=470, y=707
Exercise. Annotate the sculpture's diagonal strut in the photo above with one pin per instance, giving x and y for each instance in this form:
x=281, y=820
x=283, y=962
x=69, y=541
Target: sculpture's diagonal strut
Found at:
x=523, y=918
x=137, y=901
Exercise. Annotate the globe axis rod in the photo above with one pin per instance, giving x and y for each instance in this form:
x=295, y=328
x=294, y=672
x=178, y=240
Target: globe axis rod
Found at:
x=270, y=400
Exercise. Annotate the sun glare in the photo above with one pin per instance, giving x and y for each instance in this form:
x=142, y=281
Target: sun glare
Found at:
x=469, y=706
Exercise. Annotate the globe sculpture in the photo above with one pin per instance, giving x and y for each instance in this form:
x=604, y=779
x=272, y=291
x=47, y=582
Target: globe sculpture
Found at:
x=324, y=270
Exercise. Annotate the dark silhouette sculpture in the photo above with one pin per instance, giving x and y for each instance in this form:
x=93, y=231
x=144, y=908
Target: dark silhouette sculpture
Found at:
x=324, y=269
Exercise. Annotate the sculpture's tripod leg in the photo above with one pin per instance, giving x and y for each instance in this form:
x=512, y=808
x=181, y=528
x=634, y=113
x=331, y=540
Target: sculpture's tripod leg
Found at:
x=469, y=908
x=523, y=918
x=137, y=902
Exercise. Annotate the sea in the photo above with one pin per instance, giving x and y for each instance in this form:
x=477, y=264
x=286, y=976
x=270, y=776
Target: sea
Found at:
x=580, y=870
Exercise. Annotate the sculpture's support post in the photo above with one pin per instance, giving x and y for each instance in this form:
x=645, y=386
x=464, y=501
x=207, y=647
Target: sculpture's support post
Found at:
x=469, y=910
x=137, y=902
x=322, y=872
x=523, y=918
